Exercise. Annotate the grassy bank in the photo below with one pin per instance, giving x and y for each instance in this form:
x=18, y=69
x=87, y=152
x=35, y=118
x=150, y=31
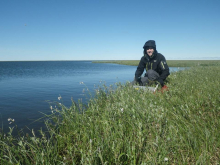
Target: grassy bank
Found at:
x=171, y=63
x=129, y=126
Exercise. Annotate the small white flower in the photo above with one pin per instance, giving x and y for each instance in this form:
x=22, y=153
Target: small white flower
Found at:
x=122, y=110
x=60, y=103
x=81, y=83
x=165, y=159
x=59, y=97
x=64, y=158
x=51, y=107
x=33, y=132
x=11, y=120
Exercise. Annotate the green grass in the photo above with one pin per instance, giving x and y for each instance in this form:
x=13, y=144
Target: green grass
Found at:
x=171, y=63
x=129, y=126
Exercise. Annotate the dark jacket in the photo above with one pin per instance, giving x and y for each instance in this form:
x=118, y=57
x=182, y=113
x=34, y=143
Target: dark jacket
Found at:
x=157, y=63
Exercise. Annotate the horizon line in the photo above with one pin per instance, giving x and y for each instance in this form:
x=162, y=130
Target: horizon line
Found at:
x=108, y=60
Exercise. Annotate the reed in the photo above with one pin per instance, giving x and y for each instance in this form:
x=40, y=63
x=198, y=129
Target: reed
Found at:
x=129, y=126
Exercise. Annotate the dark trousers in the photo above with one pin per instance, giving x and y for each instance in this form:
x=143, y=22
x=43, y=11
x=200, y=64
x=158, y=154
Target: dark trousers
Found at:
x=149, y=77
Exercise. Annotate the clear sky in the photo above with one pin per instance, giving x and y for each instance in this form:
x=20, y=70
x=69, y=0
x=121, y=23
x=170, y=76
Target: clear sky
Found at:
x=108, y=29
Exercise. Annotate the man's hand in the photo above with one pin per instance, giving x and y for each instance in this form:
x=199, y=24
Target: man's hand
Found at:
x=160, y=81
x=164, y=88
x=139, y=81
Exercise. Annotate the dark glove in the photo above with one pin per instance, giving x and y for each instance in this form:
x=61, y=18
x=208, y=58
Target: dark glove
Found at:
x=161, y=82
x=139, y=81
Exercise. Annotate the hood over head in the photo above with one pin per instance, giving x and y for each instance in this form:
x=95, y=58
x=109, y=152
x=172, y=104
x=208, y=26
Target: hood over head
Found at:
x=150, y=43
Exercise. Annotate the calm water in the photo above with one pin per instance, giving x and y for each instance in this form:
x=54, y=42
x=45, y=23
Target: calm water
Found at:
x=26, y=88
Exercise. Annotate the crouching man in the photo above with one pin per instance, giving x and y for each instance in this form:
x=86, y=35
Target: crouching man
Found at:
x=156, y=66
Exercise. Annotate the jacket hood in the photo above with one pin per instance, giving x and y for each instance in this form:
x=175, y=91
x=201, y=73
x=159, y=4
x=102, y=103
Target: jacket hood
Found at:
x=150, y=43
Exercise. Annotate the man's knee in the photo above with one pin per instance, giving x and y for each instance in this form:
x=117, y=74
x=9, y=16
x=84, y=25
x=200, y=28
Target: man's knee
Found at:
x=144, y=80
x=152, y=75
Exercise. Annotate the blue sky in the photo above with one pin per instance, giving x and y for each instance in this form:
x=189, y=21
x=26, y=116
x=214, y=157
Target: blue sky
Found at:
x=108, y=29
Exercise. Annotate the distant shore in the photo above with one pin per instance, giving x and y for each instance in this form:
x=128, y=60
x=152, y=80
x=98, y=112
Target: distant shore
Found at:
x=171, y=63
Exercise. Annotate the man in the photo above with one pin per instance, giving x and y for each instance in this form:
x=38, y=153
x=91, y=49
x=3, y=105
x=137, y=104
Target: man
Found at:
x=157, y=69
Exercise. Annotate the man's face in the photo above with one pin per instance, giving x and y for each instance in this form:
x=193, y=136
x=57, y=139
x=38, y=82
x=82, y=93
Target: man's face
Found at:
x=150, y=51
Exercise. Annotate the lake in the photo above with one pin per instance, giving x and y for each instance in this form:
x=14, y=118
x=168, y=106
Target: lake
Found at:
x=28, y=88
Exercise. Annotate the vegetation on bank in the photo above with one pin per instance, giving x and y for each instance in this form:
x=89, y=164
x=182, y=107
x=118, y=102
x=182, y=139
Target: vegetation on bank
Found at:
x=129, y=126
x=171, y=63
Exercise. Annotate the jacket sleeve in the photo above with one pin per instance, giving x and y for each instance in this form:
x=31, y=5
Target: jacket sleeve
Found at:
x=140, y=68
x=165, y=70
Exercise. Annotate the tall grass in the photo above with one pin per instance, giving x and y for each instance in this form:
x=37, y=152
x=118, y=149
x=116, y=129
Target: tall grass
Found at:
x=129, y=126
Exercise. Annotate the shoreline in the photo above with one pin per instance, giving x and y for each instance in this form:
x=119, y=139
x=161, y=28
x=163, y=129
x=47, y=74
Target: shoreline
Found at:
x=171, y=63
